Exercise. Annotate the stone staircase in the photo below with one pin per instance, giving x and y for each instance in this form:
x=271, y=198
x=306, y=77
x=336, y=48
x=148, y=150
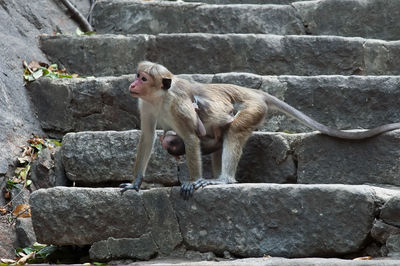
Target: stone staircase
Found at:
x=301, y=194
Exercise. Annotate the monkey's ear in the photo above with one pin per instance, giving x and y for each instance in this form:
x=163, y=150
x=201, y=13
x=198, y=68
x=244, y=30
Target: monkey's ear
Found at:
x=166, y=82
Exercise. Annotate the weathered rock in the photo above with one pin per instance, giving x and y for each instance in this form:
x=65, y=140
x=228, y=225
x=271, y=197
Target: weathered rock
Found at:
x=19, y=195
x=131, y=17
x=279, y=220
x=98, y=157
x=25, y=234
x=142, y=248
x=8, y=238
x=322, y=159
x=72, y=216
x=104, y=156
x=47, y=170
x=393, y=245
x=286, y=231
x=219, y=2
x=344, y=17
x=343, y=102
x=381, y=231
x=165, y=230
x=390, y=212
x=213, y=53
x=267, y=158
x=95, y=104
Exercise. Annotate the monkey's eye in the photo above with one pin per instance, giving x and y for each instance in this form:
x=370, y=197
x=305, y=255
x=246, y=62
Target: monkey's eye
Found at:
x=137, y=75
x=144, y=79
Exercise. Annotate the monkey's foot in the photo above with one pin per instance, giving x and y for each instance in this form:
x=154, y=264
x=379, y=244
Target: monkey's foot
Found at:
x=127, y=186
x=206, y=182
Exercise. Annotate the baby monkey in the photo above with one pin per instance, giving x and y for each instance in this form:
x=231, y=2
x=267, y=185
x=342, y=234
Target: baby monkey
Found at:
x=175, y=145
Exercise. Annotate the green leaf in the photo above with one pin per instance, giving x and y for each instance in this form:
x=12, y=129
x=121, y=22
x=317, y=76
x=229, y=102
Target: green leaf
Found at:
x=64, y=76
x=37, y=246
x=38, y=73
x=54, y=66
x=11, y=184
x=79, y=32
x=54, y=142
x=28, y=182
x=90, y=33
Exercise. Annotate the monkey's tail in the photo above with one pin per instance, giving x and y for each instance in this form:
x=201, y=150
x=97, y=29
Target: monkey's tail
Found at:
x=277, y=104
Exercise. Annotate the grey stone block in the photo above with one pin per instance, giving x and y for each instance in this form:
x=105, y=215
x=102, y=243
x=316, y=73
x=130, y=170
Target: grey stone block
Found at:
x=382, y=231
x=132, y=17
x=390, y=212
x=79, y=216
x=216, y=53
x=142, y=248
x=345, y=17
x=246, y=219
x=104, y=156
x=25, y=234
x=65, y=105
x=322, y=159
x=343, y=102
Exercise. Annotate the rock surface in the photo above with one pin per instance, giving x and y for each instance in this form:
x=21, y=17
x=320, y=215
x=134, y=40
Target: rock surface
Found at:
x=325, y=160
x=246, y=220
x=124, y=15
x=338, y=17
x=343, y=102
x=97, y=157
x=344, y=17
x=213, y=53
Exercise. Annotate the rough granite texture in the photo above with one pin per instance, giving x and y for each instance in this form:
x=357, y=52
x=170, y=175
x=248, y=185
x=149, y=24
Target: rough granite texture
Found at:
x=245, y=220
x=345, y=102
x=217, y=53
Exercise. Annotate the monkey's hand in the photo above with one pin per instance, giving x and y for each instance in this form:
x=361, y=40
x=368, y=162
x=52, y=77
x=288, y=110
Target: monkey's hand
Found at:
x=136, y=185
x=187, y=189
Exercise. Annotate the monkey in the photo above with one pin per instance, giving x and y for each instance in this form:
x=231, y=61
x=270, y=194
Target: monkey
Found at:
x=167, y=100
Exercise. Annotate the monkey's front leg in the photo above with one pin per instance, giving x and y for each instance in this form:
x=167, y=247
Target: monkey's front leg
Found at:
x=194, y=164
x=135, y=185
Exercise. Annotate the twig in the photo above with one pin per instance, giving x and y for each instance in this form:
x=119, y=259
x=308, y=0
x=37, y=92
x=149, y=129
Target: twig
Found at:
x=92, y=4
x=78, y=16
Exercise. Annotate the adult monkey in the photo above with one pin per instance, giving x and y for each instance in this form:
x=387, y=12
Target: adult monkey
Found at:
x=168, y=101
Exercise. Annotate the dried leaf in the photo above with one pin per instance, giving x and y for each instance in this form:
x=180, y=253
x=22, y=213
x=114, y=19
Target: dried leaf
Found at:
x=364, y=258
x=7, y=195
x=25, y=258
x=22, y=210
x=7, y=261
x=3, y=211
x=34, y=65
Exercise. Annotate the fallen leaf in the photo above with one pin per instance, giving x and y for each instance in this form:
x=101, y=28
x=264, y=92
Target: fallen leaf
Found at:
x=3, y=210
x=7, y=261
x=25, y=258
x=7, y=195
x=364, y=258
x=34, y=65
x=22, y=210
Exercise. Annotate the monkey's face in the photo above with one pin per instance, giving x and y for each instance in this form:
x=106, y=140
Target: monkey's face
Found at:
x=143, y=86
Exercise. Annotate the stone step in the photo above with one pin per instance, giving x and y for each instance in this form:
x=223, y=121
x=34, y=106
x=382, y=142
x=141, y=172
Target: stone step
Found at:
x=132, y=17
x=95, y=158
x=345, y=102
x=243, y=220
x=235, y=2
x=334, y=17
x=103, y=55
